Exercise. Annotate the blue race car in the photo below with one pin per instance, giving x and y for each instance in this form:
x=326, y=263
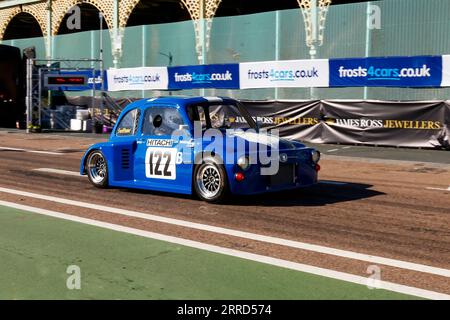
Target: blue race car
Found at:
x=208, y=146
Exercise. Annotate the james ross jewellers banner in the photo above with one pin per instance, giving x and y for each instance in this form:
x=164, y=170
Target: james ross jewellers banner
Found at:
x=408, y=124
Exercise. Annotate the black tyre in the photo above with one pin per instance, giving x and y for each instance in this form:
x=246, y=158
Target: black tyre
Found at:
x=97, y=169
x=210, y=180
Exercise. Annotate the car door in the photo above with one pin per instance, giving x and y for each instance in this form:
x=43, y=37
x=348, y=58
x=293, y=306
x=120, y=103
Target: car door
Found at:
x=124, y=145
x=160, y=159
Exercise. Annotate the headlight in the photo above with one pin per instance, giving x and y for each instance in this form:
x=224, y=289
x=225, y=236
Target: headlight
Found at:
x=315, y=155
x=244, y=162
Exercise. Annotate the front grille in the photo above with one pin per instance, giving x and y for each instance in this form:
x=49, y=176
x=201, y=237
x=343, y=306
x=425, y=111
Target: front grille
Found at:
x=125, y=158
x=285, y=175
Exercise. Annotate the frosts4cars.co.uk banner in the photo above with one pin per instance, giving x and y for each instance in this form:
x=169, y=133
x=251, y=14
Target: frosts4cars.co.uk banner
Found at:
x=445, y=71
x=284, y=74
x=219, y=76
x=421, y=71
x=144, y=78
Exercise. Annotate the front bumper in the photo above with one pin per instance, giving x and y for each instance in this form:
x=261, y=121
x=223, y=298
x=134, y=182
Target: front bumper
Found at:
x=298, y=171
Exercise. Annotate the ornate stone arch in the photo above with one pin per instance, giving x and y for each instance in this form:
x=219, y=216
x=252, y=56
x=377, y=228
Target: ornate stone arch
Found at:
x=61, y=7
x=192, y=6
x=36, y=10
x=6, y=15
x=39, y=12
x=194, y=9
x=126, y=7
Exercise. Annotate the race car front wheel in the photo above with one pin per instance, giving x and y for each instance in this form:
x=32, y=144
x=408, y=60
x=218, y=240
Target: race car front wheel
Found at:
x=210, y=180
x=97, y=169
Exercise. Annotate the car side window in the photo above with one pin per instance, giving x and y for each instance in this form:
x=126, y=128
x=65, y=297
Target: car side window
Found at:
x=129, y=124
x=161, y=121
x=219, y=117
x=197, y=115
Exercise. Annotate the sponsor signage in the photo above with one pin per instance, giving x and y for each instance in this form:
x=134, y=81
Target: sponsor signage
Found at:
x=220, y=76
x=386, y=124
x=74, y=80
x=145, y=78
x=445, y=71
x=407, y=124
x=287, y=74
x=159, y=142
x=421, y=71
x=64, y=80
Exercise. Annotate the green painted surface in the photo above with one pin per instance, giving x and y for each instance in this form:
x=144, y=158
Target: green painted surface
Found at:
x=35, y=252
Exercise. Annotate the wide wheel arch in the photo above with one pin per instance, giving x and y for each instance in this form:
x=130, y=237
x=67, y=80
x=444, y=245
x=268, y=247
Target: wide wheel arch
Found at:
x=86, y=157
x=220, y=162
x=202, y=155
x=99, y=173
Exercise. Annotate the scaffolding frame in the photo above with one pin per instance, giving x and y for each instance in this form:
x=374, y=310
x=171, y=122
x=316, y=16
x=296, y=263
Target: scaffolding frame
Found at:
x=35, y=86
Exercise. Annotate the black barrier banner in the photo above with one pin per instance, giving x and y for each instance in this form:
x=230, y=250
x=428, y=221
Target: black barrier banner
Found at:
x=295, y=120
x=404, y=124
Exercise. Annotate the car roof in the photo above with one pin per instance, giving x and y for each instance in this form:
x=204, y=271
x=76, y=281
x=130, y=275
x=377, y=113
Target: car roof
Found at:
x=177, y=100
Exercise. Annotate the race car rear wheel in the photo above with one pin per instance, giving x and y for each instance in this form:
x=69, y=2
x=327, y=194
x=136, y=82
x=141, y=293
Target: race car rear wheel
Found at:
x=97, y=169
x=210, y=181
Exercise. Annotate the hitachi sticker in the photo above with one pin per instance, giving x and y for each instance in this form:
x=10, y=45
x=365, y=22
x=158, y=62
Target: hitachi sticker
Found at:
x=159, y=142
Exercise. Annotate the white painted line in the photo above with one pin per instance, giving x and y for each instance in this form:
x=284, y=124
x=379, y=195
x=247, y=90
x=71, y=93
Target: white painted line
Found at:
x=347, y=147
x=238, y=254
x=58, y=171
x=241, y=234
x=384, y=161
x=332, y=150
x=337, y=183
x=32, y=151
x=440, y=189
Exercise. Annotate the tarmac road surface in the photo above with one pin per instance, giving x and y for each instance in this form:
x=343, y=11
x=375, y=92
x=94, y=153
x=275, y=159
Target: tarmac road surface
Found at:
x=392, y=209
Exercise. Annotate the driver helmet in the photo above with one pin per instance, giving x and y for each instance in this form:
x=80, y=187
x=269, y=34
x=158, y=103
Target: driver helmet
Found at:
x=172, y=119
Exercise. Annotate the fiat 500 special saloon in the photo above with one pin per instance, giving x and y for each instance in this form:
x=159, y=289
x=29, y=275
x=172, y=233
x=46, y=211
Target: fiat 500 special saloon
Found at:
x=207, y=146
